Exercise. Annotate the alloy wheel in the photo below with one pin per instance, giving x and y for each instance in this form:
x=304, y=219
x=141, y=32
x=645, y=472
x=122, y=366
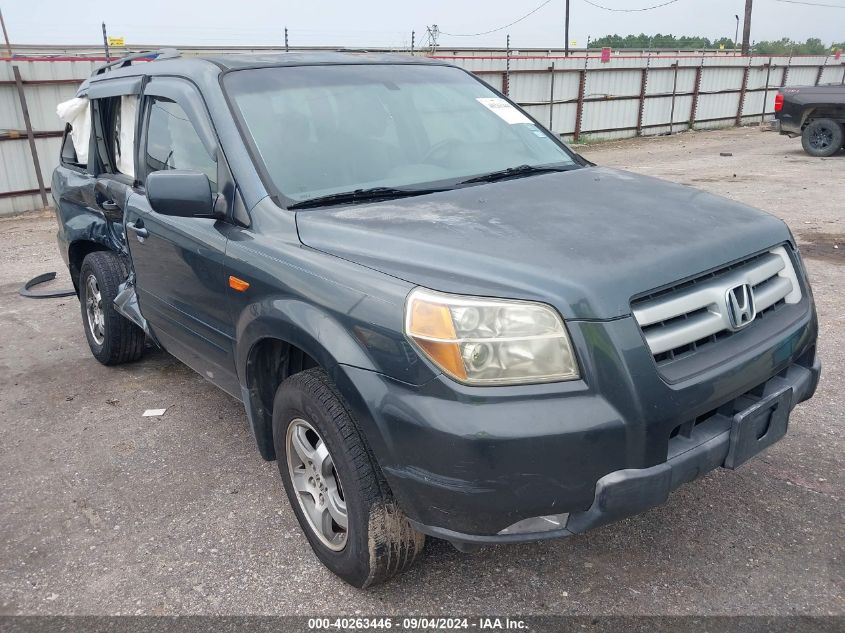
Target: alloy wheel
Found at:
x=317, y=485
x=821, y=138
x=94, y=309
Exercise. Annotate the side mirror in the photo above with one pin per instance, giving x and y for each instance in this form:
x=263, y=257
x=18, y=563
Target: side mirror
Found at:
x=181, y=192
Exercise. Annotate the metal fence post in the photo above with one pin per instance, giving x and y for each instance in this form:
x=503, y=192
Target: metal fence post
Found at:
x=674, y=93
x=766, y=91
x=579, y=112
x=785, y=76
x=742, y=92
x=508, y=67
x=29, y=134
x=641, y=113
x=821, y=71
x=551, y=95
x=693, y=111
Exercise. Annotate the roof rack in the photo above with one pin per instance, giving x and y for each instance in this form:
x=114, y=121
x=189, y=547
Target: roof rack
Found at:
x=164, y=53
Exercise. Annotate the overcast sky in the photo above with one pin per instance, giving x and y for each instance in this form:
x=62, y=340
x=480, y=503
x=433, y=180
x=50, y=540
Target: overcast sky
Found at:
x=389, y=22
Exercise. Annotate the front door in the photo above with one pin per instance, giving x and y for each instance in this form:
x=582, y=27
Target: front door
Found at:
x=178, y=261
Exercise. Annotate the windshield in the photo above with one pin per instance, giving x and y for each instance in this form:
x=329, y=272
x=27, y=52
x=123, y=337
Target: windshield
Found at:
x=321, y=130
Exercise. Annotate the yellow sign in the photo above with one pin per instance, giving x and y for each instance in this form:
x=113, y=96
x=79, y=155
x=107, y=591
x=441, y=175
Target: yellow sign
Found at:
x=721, y=47
x=117, y=41
x=573, y=43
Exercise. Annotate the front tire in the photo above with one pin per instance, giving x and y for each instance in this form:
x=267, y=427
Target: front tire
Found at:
x=822, y=138
x=337, y=492
x=113, y=339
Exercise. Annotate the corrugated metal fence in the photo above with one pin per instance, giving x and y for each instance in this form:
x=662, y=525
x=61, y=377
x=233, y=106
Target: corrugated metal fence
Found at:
x=577, y=97
x=581, y=97
x=45, y=84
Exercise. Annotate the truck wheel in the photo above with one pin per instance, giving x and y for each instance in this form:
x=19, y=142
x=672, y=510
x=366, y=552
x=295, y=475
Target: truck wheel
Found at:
x=339, y=495
x=112, y=338
x=822, y=137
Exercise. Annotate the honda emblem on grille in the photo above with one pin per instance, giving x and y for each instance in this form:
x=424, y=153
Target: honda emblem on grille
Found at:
x=740, y=302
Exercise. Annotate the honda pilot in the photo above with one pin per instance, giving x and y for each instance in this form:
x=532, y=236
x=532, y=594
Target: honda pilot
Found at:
x=441, y=320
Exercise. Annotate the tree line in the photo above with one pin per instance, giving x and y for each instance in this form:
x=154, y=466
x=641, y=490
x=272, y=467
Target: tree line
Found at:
x=784, y=46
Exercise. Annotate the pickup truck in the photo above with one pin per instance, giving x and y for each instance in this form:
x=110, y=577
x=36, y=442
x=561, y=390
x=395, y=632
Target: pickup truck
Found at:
x=816, y=114
x=441, y=321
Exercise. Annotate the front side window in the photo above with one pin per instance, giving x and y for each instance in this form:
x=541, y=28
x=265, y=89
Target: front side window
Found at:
x=318, y=130
x=173, y=143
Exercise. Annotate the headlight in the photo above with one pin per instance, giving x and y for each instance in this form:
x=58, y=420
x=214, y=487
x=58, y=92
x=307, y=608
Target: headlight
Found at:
x=490, y=341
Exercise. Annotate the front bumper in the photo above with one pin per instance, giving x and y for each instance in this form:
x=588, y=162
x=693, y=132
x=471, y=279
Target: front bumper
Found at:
x=467, y=463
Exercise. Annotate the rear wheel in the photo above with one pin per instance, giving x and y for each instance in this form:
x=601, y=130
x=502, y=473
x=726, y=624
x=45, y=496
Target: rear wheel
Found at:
x=822, y=137
x=112, y=338
x=337, y=492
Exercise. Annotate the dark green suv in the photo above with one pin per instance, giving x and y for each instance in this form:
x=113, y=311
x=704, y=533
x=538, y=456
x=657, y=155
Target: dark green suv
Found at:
x=441, y=321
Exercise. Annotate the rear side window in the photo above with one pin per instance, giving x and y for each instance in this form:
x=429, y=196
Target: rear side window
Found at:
x=69, y=157
x=173, y=143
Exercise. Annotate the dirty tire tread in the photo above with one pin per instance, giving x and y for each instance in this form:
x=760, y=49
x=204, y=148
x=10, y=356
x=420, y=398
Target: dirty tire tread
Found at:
x=123, y=341
x=392, y=544
x=838, y=137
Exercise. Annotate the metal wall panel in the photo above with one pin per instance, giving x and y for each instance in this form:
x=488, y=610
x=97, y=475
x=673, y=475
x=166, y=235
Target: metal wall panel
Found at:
x=614, y=83
x=833, y=74
x=662, y=80
x=17, y=172
x=19, y=204
x=717, y=106
x=607, y=115
x=530, y=87
x=802, y=75
x=721, y=78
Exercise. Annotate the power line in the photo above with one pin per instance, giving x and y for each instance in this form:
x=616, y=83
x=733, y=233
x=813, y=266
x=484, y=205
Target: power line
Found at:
x=656, y=6
x=530, y=13
x=814, y=4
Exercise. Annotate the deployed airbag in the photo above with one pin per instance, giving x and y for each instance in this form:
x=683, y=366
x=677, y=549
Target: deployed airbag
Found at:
x=126, y=142
x=77, y=112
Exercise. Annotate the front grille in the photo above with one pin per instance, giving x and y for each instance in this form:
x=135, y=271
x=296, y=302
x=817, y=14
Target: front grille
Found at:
x=679, y=320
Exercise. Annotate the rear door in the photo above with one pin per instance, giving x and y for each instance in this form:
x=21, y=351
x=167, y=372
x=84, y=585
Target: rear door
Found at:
x=178, y=261
x=83, y=214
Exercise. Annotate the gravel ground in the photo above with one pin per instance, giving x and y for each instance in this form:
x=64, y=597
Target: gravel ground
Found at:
x=104, y=512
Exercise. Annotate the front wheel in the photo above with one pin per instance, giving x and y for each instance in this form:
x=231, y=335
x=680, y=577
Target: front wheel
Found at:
x=822, y=138
x=337, y=492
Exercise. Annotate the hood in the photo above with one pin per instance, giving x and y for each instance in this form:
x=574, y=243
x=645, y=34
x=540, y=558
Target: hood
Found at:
x=585, y=241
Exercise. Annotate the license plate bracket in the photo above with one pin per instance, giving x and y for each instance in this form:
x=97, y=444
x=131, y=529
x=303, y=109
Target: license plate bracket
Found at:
x=758, y=427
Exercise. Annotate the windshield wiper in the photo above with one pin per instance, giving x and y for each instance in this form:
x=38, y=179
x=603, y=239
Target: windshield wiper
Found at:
x=361, y=195
x=518, y=171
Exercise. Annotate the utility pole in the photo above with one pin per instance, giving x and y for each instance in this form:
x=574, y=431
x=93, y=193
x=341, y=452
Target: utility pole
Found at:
x=413, y=38
x=566, y=34
x=736, y=33
x=105, y=42
x=286, y=39
x=5, y=35
x=432, y=33
x=746, y=28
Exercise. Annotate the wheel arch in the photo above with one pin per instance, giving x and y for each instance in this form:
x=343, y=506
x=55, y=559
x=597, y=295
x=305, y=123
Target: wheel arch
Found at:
x=77, y=251
x=835, y=111
x=277, y=339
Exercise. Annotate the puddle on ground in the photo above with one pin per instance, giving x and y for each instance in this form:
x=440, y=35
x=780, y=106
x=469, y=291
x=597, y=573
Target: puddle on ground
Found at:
x=823, y=246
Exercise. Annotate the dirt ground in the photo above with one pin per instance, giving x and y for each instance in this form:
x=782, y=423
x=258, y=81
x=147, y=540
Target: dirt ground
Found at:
x=103, y=511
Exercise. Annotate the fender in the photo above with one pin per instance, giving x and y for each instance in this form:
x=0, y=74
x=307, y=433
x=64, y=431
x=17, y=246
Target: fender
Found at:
x=298, y=324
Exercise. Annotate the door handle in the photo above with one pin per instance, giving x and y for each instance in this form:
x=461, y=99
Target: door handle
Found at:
x=138, y=230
